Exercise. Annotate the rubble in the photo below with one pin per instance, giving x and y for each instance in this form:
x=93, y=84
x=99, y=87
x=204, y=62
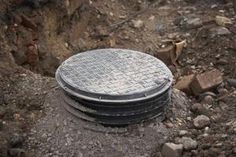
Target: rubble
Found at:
x=193, y=23
x=232, y=82
x=188, y=143
x=184, y=84
x=201, y=121
x=206, y=81
x=183, y=132
x=172, y=150
x=222, y=21
x=198, y=108
x=218, y=31
x=208, y=99
x=137, y=23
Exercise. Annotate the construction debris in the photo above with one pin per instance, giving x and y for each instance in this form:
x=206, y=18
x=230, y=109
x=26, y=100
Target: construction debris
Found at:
x=184, y=84
x=206, y=81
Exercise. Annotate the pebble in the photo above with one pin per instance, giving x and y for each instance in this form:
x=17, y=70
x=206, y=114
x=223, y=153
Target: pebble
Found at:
x=183, y=132
x=208, y=99
x=193, y=23
x=172, y=150
x=215, y=31
x=188, y=143
x=223, y=91
x=137, y=23
x=201, y=121
x=197, y=108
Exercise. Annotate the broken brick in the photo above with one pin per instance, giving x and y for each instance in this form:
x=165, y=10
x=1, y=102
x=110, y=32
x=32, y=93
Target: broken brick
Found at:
x=206, y=81
x=184, y=84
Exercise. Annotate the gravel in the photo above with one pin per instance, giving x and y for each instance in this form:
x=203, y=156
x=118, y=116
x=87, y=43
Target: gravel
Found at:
x=60, y=134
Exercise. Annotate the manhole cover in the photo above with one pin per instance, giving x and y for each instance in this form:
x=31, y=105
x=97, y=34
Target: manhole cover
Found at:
x=114, y=86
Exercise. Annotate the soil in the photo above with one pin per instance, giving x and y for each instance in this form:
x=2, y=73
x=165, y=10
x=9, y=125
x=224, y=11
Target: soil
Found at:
x=36, y=36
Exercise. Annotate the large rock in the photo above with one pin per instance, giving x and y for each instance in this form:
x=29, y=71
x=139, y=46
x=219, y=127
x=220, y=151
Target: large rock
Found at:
x=201, y=121
x=172, y=150
x=206, y=81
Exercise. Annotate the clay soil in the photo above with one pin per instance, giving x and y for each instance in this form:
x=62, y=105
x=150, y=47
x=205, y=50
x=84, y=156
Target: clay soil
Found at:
x=36, y=36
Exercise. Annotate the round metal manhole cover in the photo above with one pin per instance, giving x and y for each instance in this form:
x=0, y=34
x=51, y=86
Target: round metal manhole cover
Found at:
x=114, y=75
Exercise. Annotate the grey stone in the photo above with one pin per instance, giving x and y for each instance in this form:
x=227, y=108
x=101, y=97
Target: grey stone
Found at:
x=137, y=23
x=183, y=132
x=201, y=121
x=208, y=99
x=193, y=22
x=188, y=143
x=172, y=150
x=219, y=31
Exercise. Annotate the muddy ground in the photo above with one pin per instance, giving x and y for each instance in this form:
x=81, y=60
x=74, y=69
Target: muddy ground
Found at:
x=36, y=36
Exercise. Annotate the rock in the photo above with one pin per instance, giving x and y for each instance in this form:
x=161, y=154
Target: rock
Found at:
x=206, y=81
x=232, y=82
x=223, y=91
x=179, y=21
x=188, y=143
x=137, y=23
x=16, y=152
x=219, y=31
x=222, y=21
x=198, y=108
x=193, y=23
x=184, y=84
x=201, y=121
x=208, y=99
x=16, y=140
x=172, y=150
x=183, y=132
x=221, y=61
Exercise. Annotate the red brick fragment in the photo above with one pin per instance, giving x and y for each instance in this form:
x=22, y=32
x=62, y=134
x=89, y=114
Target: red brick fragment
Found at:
x=206, y=81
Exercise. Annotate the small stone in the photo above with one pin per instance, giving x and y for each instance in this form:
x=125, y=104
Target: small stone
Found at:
x=193, y=23
x=222, y=61
x=208, y=99
x=172, y=150
x=16, y=152
x=217, y=31
x=189, y=118
x=169, y=125
x=183, y=132
x=137, y=23
x=197, y=108
x=232, y=82
x=201, y=121
x=188, y=143
x=223, y=91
